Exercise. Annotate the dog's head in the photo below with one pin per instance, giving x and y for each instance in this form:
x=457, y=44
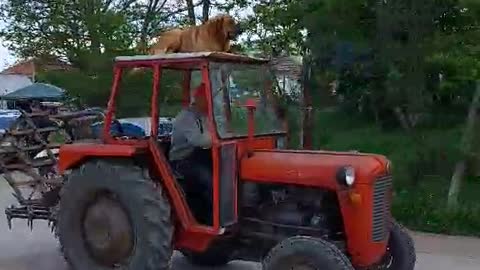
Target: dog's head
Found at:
x=227, y=25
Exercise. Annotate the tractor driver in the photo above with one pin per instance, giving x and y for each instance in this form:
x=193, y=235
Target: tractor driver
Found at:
x=190, y=153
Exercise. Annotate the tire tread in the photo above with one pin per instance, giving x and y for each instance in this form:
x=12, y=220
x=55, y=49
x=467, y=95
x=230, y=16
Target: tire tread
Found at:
x=328, y=250
x=156, y=208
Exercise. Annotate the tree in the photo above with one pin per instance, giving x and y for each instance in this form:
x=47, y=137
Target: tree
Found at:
x=276, y=27
x=68, y=29
x=149, y=22
x=466, y=148
x=84, y=30
x=206, y=10
x=191, y=12
x=208, y=6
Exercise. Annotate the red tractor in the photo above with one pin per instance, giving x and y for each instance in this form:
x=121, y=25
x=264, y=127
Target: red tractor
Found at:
x=122, y=206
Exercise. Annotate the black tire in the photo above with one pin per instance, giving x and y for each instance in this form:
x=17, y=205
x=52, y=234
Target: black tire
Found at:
x=306, y=251
x=145, y=205
x=211, y=258
x=401, y=249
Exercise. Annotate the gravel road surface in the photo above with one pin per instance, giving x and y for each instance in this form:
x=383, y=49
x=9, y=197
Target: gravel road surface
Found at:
x=22, y=249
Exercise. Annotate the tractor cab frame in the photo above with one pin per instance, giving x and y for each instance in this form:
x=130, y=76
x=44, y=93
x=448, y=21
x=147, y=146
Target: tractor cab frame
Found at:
x=227, y=146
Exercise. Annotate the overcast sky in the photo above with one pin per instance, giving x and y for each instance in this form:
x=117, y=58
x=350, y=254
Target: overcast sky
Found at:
x=6, y=57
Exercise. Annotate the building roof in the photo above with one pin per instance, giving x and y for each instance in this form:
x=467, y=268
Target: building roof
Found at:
x=219, y=56
x=30, y=66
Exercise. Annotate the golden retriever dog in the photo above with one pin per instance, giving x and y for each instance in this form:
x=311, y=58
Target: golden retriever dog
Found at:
x=214, y=35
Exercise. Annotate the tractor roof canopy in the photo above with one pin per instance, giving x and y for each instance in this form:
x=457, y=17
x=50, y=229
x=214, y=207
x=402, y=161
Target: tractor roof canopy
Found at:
x=185, y=60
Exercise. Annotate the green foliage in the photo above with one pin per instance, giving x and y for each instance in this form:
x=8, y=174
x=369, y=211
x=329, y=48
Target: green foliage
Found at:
x=424, y=208
x=276, y=27
x=69, y=29
x=81, y=31
x=134, y=91
x=421, y=205
x=397, y=52
x=90, y=90
x=333, y=20
x=419, y=58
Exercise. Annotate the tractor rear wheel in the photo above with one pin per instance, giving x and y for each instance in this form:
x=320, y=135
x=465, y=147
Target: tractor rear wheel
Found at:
x=111, y=216
x=306, y=253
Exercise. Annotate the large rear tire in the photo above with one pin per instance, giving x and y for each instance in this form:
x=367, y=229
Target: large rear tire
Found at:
x=401, y=249
x=306, y=253
x=111, y=216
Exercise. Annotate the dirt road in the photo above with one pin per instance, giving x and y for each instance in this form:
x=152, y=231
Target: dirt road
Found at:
x=25, y=250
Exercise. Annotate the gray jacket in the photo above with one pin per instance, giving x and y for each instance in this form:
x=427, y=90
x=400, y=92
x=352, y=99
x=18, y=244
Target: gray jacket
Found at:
x=189, y=132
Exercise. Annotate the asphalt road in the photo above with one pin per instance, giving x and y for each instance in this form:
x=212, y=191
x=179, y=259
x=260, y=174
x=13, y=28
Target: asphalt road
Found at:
x=22, y=249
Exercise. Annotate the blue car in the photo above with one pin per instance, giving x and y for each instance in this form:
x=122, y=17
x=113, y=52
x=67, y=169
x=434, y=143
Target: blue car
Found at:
x=7, y=118
x=122, y=129
x=135, y=127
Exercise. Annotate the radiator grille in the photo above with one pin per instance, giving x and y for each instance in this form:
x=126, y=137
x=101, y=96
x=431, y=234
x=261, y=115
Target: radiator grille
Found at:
x=381, y=208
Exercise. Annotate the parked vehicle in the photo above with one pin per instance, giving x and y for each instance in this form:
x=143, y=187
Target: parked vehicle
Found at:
x=135, y=127
x=7, y=118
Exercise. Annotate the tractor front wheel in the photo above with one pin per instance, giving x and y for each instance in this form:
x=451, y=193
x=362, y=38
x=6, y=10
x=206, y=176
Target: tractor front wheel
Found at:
x=306, y=253
x=401, y=249
x=112, y=216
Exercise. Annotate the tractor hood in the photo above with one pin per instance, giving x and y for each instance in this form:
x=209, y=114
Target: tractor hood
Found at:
x=311, y=168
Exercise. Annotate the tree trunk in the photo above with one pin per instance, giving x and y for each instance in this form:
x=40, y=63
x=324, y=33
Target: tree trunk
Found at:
x=307, y=121
x=206, y=10
x=466, y=148
x=402, y=118
x=91, y=22
x=191, y=12
x=455, y=184
x=143, y=44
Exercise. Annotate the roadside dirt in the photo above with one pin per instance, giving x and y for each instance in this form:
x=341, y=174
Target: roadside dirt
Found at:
x=23, y=249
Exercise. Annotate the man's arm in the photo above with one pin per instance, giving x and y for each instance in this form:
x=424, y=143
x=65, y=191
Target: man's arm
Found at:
x=193, y=134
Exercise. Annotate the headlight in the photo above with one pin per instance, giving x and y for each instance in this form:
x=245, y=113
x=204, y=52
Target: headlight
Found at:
x=389, y=167
x=346, y=176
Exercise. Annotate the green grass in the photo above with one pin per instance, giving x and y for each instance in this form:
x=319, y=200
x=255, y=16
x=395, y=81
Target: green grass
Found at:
x=423, y=208
x=421, y=169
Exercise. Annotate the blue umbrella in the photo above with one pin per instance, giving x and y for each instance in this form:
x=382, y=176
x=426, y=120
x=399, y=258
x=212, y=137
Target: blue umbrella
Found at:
x=36, y=91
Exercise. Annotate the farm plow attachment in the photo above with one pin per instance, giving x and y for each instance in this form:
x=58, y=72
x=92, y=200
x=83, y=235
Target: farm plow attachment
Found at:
x=28, y=158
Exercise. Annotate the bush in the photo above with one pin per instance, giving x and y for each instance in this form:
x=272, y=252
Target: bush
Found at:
x=418, y=203
x=424, y=208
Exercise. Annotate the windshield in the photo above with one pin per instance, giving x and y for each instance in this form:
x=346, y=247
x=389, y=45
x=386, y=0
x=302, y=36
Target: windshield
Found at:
x=232, y=85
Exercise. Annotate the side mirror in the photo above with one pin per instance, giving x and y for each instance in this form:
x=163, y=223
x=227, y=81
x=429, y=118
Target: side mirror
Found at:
x=251, y=105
